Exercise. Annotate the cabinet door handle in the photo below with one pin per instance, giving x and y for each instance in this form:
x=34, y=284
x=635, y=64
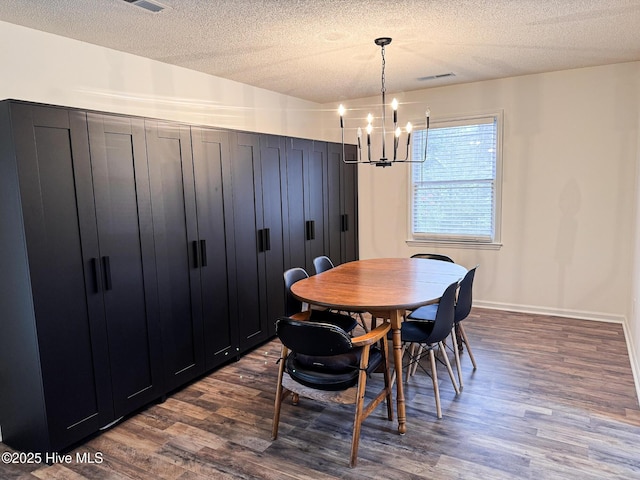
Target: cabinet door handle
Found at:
x=311, y=229
x=267, y=237
x=106, y=265
x=95, y=266
x=196, y=254
x=345, y=222
x=203, y=253
x=260, y=235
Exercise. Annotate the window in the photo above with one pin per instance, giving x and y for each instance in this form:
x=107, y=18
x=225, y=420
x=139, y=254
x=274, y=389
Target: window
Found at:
x=455, y=193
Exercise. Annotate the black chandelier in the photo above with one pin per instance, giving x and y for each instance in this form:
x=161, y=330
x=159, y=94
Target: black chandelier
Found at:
x=384, y=161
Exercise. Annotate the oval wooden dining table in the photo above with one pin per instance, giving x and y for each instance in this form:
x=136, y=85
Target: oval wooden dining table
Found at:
x=385, y=287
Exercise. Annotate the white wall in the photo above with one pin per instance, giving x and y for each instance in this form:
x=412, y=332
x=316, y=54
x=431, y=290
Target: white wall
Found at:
x=41, y=67
x=571, y=155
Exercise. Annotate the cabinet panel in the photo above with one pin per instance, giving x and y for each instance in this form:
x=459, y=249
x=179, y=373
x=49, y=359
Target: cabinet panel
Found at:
x=297, y=228
x=249, y=264
x=308, y=205
x=123, y=213
x=259, y=258
x=272, y=161
x=350, y=248
x=343, y=204
x=177, y=250
x=211, y=163
x=316, y=205
x=59, y=223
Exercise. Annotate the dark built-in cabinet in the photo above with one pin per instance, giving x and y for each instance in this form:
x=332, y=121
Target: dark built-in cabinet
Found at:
x=138, y=254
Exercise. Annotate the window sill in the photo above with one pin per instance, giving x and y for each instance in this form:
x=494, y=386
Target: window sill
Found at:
x=455, y=244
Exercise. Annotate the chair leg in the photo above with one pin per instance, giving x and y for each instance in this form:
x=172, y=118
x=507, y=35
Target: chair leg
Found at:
x=413, y=362
x=417, y=357
x=456, y=356
x=279, y=395
x=387, y=378
x=466, y=342
x=363, y=323
x=448, y=365
x=357, y=421
x=434, y=378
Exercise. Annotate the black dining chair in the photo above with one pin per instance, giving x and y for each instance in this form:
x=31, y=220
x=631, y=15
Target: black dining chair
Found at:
x=322, y=264
x=293, y=306
x=462, y=309
x=322, y=362
x=433, y=256
x=431, y=335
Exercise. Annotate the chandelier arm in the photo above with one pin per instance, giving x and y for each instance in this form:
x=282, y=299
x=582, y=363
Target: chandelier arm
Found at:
x=424, y=157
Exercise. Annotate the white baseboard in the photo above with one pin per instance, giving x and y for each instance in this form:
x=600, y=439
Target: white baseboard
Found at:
x=556, y=312
x=633, y=358
x=582, y=315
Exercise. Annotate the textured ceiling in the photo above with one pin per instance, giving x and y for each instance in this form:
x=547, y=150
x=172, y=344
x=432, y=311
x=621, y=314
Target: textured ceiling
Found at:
x=323, y=50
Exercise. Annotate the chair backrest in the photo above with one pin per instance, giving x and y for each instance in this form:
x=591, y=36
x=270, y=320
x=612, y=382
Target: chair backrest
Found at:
x=433, y=256
x=465, y=296
x=322, y=264
x=292, y=305
x=313, y=338
x=445, y=315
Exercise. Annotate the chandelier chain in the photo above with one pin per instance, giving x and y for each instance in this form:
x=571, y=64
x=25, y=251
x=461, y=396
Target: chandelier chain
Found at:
x=383, y=90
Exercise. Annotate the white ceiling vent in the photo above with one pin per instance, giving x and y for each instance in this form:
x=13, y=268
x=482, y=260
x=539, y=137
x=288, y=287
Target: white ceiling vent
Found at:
x=154, y=7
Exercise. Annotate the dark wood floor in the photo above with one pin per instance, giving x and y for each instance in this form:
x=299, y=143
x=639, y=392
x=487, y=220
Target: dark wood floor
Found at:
x=552, y=398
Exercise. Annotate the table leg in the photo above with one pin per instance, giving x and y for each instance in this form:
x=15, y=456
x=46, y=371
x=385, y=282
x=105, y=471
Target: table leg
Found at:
x=396, y=322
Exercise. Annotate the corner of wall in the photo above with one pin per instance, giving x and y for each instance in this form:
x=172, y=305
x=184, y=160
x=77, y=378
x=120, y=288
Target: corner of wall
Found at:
x=633, y=358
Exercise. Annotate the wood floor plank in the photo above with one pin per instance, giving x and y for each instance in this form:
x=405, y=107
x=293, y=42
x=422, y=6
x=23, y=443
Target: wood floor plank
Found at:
x=552, y=398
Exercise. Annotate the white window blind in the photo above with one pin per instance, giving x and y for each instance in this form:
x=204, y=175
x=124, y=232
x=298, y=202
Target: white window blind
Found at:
x=455, y=191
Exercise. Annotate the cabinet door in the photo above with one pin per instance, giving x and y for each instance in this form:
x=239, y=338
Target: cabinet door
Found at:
x=316, y=202
x=125, y=232
x=57, y=199
x=343, y=204
x=178, y=250
x=211, y=164
x=296, y=227
x=259, y=255
x=272, y=159
x=349, y=182
x=250, y=239
x=307, y=206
